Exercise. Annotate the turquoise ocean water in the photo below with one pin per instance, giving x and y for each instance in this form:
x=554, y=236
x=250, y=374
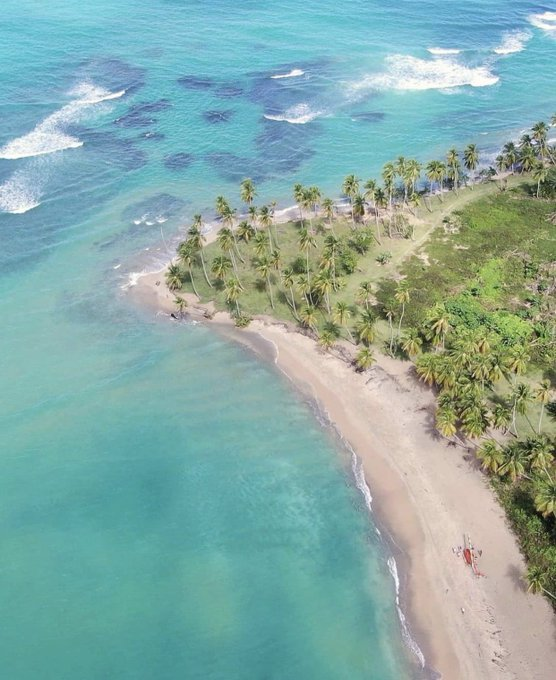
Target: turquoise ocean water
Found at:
x=169, y=507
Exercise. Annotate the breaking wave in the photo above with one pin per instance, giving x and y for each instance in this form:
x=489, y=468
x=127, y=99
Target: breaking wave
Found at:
x=513, y=41
x=50, y=134
x=296, y=115
x=411, y=73
x=545, y=21
x=439, y=51
x=19, y=194
x=294, y=73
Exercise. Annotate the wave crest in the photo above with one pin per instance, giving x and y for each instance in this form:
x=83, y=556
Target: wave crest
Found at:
x=18, y=194
x=294, y=73
x=440, y=51
x=411, y=73
x=513, y=41
x=545, y=20
x=49, y=135
x=296, y=115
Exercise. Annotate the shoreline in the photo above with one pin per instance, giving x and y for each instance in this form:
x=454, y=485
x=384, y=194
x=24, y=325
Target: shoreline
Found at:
x=426, y=494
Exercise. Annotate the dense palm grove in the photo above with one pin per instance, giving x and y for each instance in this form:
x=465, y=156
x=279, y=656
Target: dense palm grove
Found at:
x=479, y=322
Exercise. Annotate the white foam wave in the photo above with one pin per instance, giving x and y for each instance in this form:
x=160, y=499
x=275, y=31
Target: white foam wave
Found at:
x=440, y=51
x=546, y=21
x=360, y=481
x=19, y=194
x=411, y=73
x=50, y=135
x=133, y=279
x=296, y=115
x=409, y=641
x=294, y=73
x=513, y=41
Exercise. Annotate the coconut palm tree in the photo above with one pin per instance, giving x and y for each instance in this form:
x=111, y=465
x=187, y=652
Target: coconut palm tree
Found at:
x=515, y=462
x=173, y=277
x=536, y=579
x=198, y=239
x=491, y=456
x=186, y=254
x=501, y=417
x=540, y=133
x=261, y=243
x=308, y=317
x=402, y=298
x=540, y=452
x=222, y=206
x=253, y=213
x=181, y=304
x=414, y=203
x=328, y=211
x=511, y=155
x=306, y=242
x=221, y=266
x=540, y=173
x=438, y=325
x=245, y=231
x=266, y=220
x=264, y=268
x=527, y=159
x=324, y=285
x=226, y=241
x=545, y=497
x=289, y=284
x=446, y=421
x=350, y=188
x=411, y=343
x=304, y=288
x=298, y=195
x=436, y=172
x=427, y=366
x=326, y=339
x=365, y=327
x=542, y=395
x=233, y=290
x=501, y=163
x=364, y=359
x=471, y=159
x=247, y=192
x=341, y=316
x=365, y=293
x=454, y=167
x=517, y=360
x=412, y=173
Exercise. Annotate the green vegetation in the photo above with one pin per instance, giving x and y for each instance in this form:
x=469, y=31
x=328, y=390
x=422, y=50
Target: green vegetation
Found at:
x=463, y=284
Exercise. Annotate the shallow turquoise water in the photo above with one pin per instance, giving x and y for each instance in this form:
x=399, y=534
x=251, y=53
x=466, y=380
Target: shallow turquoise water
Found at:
x=170, y=508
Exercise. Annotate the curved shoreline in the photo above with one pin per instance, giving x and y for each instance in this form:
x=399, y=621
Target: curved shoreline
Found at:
x=426, y=495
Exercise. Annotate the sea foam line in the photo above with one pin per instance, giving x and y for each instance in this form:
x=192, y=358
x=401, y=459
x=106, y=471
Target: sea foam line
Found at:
x=49, y=135
x=544, y=20
x=440, y=51
x=296, y=115
x=361, y=483
x=20, y=193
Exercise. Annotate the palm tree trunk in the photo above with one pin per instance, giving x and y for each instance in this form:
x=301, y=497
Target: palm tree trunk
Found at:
x=391, y=336
x=204, y=268
x=270, y=291
x=193, y=282
x=401, y=319
x=293, y=304
x=540, y=419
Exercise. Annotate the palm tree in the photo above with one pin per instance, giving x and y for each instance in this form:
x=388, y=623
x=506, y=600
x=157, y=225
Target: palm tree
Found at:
x=540, y=173
x=454, y=167
x=471, y=158
x=197, y=237
x=411, y=343
x=511, y=155
x=261, y=243
x=306, y=242
x=323, y=285
x=381, y=203
x=298, y=195
x=221, y=266
x=309, y=317
x=328, y=210
x=233, y=289
x=341, y=316
x=186, y=254
x=326, y=339
x=491, y=456
x=364, y=359
x=402, y=298
x=542, y=395
x=438, y=324
x=173, y=277
x=501, y=417
x=181, y=304
x=515, y=462
x=414, y=202
x=527, y=159
x=222, y=206
x=289, y=283
x=427, y=366
x=541, y=456
x=226, y=241
x=446, y=421
x=536, y=578
x=545, y=497
x=517, y=360
x=245, y=231
x=501, y=163
x=412, y=173
x=266, y=220
x=253, y=213
x=436, y=171
x=304, y=288
x=540, y=132
x=247, y=191
x=350, y=188
x=358, y=206
x=264, y=267
x=366, y=327
x=365, y=293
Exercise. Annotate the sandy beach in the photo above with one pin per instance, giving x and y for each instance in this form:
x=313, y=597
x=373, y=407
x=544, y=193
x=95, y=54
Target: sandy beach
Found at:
x=426, y=495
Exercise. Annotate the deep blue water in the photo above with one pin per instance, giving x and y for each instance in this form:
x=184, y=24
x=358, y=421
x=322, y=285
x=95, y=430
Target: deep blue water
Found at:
x=169, y=507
